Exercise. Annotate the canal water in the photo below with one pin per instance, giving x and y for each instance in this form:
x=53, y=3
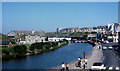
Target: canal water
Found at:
x=51, y=59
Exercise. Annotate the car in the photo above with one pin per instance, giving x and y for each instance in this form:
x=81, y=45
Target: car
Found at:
x=97, y=66
x=104, y=47
x=110, y=47
x=107, y=41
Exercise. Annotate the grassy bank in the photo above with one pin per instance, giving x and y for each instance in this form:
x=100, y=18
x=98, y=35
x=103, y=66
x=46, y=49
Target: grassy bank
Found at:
x=20, y=51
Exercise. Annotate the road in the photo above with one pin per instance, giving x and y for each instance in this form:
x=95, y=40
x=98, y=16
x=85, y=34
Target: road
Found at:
x=111, y=59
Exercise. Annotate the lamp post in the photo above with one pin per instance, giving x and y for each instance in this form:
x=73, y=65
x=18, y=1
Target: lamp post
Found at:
x=84, y=54
x=84, y=59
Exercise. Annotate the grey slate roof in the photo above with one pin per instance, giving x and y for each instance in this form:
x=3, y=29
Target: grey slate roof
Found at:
x=4, y=42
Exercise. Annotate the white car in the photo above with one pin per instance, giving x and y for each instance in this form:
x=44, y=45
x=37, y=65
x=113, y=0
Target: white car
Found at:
x=97, y=66
x=107, y=41
x=110, y=47
x=104, y=48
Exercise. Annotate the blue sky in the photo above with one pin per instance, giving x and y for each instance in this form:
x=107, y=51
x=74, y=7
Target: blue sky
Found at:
x=48, y=16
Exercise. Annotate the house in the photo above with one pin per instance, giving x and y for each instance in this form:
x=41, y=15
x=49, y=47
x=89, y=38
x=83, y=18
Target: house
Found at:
x=29, y=39
x=113, y=27
x=26, y=37
x=92, y=37
x=58, y=38
x=115, y=37
x=6, y=43
x=114, y=30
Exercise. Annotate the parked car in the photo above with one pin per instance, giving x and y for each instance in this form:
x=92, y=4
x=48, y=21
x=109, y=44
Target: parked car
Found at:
x=97, y=66
x=110, y=47
x=107, y=41
x=104, y=47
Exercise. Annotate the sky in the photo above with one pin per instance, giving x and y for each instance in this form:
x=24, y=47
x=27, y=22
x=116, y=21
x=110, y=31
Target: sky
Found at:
x=48, y=16
x=60, y=0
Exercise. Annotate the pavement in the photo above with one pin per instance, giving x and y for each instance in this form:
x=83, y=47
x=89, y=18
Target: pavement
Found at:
x=95, y=56
x=110, y=58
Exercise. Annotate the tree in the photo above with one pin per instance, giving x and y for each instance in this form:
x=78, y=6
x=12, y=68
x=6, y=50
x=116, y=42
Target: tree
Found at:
x=32, y=48
x=54, y=44
x=47, y=45
x=5, y=51
x=20, y=49
x=36, y=46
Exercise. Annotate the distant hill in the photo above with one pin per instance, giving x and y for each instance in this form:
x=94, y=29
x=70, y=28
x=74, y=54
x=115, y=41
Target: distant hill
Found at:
x=56, y=34
x=3, y=37
x=78, y=34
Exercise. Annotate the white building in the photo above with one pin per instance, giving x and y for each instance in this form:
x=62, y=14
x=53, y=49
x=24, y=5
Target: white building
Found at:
x=115, y=38
x=58, y=38
x=113, y=27
x=116, y=35
x=91, y=36
x=27, y=37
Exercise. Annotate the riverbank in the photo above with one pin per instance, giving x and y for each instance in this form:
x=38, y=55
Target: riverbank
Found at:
x=94, y=56
x=51, y=59
x=16, y=52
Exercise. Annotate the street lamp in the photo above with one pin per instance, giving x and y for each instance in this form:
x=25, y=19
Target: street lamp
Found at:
x=84, y=54
x=84, y=59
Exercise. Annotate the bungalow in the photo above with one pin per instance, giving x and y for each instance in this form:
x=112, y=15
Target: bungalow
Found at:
x=6, y=43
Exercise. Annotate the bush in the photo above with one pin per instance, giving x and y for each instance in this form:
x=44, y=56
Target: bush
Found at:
x=54, y=44
x=20, y=49
x=5, y=51
x=36, y=46
x=5, y=46
x=19, y=55
x=7, y=57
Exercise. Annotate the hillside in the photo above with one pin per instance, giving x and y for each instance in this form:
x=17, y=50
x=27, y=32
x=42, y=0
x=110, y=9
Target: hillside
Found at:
x=78, y=34
x=3, y=37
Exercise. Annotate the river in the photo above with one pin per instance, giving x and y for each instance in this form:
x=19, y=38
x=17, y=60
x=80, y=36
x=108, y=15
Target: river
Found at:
x=51, y=59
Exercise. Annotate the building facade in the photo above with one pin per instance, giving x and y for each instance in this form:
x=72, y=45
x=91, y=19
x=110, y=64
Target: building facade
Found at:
x=58, y=38
x=29, y=39
x=113, y=27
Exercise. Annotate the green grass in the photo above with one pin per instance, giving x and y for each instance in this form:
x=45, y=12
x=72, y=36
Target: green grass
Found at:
x=3, y=37
x=28, y=45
